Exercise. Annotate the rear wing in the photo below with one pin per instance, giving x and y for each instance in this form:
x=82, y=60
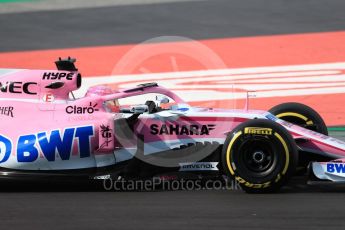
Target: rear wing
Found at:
x=33, y=84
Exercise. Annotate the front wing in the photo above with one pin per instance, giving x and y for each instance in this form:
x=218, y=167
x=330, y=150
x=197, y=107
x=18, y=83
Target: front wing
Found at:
x=329, y=171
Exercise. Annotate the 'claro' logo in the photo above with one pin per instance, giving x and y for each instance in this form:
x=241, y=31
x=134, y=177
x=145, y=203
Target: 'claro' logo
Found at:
x=52, y=145
x=73, y=109
x=258, y=131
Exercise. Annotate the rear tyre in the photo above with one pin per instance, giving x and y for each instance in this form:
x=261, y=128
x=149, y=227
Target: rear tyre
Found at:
x=260, y=155
x=300, y=114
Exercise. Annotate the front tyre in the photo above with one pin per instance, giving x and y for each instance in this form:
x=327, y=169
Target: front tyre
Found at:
x=261, y=155
x=300, y=114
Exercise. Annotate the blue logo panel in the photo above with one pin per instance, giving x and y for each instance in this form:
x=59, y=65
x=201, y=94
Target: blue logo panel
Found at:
x=52, y=145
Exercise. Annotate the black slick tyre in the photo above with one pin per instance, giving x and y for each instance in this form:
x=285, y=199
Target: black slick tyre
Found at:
x=260, y=155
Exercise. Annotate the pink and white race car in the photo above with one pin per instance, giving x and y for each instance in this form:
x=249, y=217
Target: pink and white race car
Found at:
x=149, y=131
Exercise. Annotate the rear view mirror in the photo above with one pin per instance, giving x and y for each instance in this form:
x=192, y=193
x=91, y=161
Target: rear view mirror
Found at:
x=139, y=109
x=162, y=99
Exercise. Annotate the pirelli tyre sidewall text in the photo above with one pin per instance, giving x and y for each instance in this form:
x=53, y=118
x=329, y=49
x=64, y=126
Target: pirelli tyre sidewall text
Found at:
x=260, y=154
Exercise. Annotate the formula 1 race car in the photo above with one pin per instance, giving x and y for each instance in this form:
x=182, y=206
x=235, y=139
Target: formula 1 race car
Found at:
x=149, y=131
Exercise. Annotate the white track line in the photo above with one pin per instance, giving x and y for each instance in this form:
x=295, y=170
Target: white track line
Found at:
x=207, y=85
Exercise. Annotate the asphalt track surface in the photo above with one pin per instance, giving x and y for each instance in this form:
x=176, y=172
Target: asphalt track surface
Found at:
x=197, y=20
x=81, y=206
x=66, y=206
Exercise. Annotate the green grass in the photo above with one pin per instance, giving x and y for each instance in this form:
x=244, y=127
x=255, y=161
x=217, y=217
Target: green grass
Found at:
x=339, y=129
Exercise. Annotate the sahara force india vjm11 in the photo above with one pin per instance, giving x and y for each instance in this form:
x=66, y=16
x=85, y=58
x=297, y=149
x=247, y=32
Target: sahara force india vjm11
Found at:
x=148, y=131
